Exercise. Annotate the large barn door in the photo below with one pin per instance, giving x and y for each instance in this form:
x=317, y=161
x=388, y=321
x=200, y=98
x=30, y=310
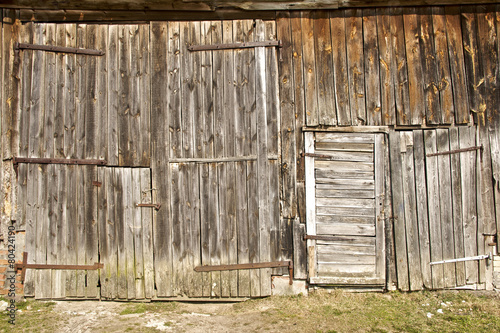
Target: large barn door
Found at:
x=344, y=198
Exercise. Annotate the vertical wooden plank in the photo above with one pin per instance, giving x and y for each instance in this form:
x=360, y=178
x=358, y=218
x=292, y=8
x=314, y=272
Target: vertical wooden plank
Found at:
x=213, y=218
x=177, y=230
x=124, y=95
x=102, y=226
x=325, y=72
x=398, y=211
x=70, y=95
x=430, y=77
x=91, y=126
x=253, y=231
x=147, y=234
x=53, y=221
x=469, y=202
x=42, y=282
x=422, y=214
x=128, y=235
x=101, y=94
x=60, y=100
x=160, y=151
x=308, y=58
x=31, y=225
x=495, y=165
x=195, y=248
x=113, y=92
x=399, y=62
x=207, y=88
x=410, y=207
x=387, y=66
x=91, y=232
x=473, y=67
x=380, y=165
x=72, y=232
x=37, y=91
x=414, y=56
x=443, y=65
x=356, y=70
x=49, y=95
x=59, y=276
x=287, y=116
x=457, y=67
x=120, y=194
x=262, y=161
x=205, y=230
x=445, y=199
x=456, y=187
x=299, y=250
x=11, y=82
x=310, y=192
x=371, y=66
x=112, y=227
x=435, y=233
x=80, y=229
x=138, y=233
x=144, y=83
x=81, y=96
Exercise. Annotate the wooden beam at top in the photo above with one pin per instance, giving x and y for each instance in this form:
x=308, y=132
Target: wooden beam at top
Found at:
x=211, y=5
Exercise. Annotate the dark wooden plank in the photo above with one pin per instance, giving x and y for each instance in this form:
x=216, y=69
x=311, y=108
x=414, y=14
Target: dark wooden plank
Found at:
x=473, y=66
x=205, y=230
x=36, y=110
x=102, y=225
x=287, y=114
x=398, y=211
x=59, y=103
x=124, y=96
x=325, y=72
x=176, y=196
x=81, y=96
x=433, y=112
x=399, y=62
x=113, y=98
x=135, y=109
x=435, y=234
x=120, y=232
x=457, y=66
x=299, y=250
x=422, y=214
x=443, y=65
x=354, y=41
x=49, y=95
x=413, y=57
x=173, y=92
x=458, y=231
x=371, y=67
x=469, y=202
x=495, y=165
x=160, y=151
x=111, y=234
x=91, y=141
x=144, y=87
x=309, y=69
x=101, y=94
x=387, y=66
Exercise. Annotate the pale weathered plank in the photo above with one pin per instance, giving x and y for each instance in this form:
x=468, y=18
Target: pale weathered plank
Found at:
x=308, y=58
x=356, y=72
x=147, y=234
x=91, y=231
x=398, y=211
x=144, y=87
x=138, y=232
x=121, y=231
x=59, y=276
x=435, y=234
x=37, y=91
x=113, y=94
x=322, y=191
x=381, y=160
x=345, y=137
x=101, y=94
x=92, y=136
x=71, y=211
x=349, y=229
x=81, y=93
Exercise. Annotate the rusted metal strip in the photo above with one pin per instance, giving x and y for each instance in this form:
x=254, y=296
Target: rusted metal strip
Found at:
x=317, y=155
x=96, y=183
x=326, y=238
x=155, y=206
x=461, y=150
x=257, y=265
x=61, y=49
x=24, y=265
x=17, y=160
x=276, y=43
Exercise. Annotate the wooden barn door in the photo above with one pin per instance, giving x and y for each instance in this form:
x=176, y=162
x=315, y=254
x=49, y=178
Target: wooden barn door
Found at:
x=344, y=202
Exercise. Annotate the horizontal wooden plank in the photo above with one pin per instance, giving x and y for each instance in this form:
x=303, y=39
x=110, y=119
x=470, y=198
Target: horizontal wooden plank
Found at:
x=351, y=281
x=325, y=258
x=345, y=156
x=325, y=192
x=345, y=203
x=349, y=240
x=344, y=166
x=350, y=211
x=347, y=249
x=351, y=229
x=345, y=146
x=360, y=270
x=345, y=137
x=358, y=184
x=345, y=219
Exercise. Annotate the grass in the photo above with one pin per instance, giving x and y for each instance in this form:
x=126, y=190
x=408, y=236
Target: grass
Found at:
x=320, y=312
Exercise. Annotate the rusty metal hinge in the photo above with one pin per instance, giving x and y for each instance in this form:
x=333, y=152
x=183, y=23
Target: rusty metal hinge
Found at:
x=276, y=43
x=61, y=49
x=35, y=160
x=24, y=265
x=461, y=150
x=155, y=206
x=233, y=267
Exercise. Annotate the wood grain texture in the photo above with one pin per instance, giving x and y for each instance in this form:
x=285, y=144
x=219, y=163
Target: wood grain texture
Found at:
x=308, y=58
x=371, y=67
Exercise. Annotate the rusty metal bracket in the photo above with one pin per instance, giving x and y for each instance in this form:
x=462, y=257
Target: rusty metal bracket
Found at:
x=34, y=160
x=155, y=206
x=461, y=150
x=61, y=49
x=24, y=265
x=317, y=155
x=257, y=265
x=232, y=46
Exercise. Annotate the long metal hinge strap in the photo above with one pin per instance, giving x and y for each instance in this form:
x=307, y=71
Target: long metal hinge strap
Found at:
x=461, y=150
x=276, y=43
x=17, y=160
x=61, y=49
x=155, y=206
x=481, y=257
x=317, y=155
x=326, y=238
x=233, y=267
x=25, y=266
